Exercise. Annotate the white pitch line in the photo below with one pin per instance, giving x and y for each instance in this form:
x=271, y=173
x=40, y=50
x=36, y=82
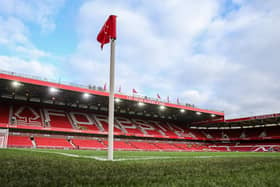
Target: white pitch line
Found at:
x=121, y=159
x=144, y=158
x=72, y=155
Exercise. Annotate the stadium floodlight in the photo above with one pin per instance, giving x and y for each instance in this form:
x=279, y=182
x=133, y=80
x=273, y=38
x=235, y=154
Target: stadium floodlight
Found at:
x=162, y=107
x=117, y=100
x=213, y=115
x=16, y=84
x=141, y=104
x=86, y=95
x=53, y=90
x=198, y=113
x=182, y=110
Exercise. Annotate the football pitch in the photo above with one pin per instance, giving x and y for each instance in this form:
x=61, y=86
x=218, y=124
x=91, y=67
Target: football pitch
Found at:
x=44, y=167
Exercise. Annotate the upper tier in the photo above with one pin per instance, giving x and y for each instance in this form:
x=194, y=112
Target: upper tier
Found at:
x=25, y=87
x=61, y=119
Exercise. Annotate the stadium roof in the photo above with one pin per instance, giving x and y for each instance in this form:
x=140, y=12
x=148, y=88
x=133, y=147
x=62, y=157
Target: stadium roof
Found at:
x=244, y=122
x=35, y=89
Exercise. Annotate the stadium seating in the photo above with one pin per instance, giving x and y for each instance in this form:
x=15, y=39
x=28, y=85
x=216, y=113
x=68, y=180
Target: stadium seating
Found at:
x=121, y=145
x=142, y=145
x=132, y=145
x=83, y=122
x=246, y=147
x=167, y=146
x=27, y=115
x=4, y=113
x=273, y=131
x=60, y=121
x=56, y=143
x=31, y=116
x=19, y=141
x=88, y=144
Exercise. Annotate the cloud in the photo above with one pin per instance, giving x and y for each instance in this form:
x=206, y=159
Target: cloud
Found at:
x=39, y=12
x=195, y=53
x=214, y=54
x=248, y=39
x=32, y=67
x=15, y=37
x=142, y=49
x=194, y=96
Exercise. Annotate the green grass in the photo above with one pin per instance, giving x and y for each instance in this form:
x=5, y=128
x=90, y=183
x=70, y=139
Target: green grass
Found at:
x=25, y=167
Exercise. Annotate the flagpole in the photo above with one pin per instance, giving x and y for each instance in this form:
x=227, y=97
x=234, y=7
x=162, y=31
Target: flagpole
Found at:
x=111, y=103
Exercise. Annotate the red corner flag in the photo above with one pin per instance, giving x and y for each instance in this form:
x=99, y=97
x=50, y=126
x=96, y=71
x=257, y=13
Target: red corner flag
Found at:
x=108, y=31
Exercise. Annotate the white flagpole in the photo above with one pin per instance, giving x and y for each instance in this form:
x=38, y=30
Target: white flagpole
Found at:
x=111, y=103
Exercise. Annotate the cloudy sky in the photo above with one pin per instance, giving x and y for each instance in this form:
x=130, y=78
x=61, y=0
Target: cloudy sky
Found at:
x=218, y=54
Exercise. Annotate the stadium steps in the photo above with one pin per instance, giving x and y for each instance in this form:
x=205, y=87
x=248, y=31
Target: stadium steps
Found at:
x=74, y=146
x=228, y=149
x=74, y=125
x=33, y=143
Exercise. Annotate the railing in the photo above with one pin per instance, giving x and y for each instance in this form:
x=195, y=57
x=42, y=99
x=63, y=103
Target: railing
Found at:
x=97, y=88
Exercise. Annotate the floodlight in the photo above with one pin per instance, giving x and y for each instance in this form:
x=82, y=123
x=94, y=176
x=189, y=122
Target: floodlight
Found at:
x=141, y=104
x=198, y=113
x=53, y=90
x=182, y=110
x=117, y=100
x=162, y=107
x=86, y=95
x=15, y=84
x=213, y=115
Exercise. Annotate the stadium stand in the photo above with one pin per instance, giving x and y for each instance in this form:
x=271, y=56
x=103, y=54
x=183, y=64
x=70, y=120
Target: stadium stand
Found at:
x=55, y=143
x=63, y=142
x=143, y=145
x=19, y=141
x=4, y=113
x=26, y=115
x=30, y=116
x=121, y=145
x=167, y=146
x=88, y=144
x=66, y=121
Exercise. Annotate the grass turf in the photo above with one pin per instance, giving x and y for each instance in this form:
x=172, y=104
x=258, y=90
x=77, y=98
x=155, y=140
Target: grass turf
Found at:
x=24, y=167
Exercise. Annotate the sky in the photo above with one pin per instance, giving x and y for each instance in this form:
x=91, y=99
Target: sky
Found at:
x=216, y=54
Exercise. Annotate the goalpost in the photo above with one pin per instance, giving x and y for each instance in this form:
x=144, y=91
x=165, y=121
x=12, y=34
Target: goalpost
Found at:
x=4, y=138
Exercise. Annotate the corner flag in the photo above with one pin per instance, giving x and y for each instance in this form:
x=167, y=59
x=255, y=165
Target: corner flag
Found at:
x=108, y=34
x=108, y=31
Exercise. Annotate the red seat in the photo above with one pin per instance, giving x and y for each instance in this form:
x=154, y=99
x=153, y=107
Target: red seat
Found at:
x=57, y=143
x=88, y=144
x=19, y=141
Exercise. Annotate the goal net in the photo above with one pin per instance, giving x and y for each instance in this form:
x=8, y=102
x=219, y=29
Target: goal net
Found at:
x=4, y=138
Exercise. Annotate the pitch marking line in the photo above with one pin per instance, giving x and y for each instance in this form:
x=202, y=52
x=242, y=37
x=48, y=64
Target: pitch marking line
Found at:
x=123, y=159
x=72, y=155
x=142, y=157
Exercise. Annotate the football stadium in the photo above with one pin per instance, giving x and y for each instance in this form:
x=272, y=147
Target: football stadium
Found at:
x=59, y=127
x=56, y=134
